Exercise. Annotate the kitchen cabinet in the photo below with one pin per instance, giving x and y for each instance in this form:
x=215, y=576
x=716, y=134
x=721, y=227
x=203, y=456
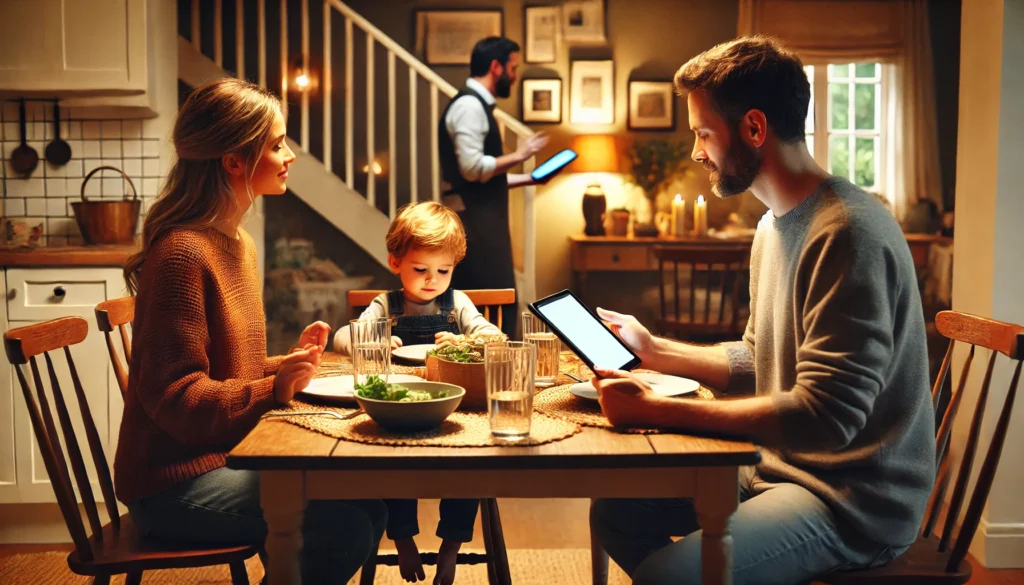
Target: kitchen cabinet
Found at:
x=41, y=294
x=55, y=47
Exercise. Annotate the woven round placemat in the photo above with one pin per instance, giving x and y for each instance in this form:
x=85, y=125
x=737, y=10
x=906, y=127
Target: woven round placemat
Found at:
x=559, y=402
x=460, y=429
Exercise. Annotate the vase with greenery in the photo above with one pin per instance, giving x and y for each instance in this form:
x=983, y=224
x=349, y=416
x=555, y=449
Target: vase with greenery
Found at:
x=654, y=165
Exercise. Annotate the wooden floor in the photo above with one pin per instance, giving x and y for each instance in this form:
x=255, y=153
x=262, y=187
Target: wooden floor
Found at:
x=541, y=524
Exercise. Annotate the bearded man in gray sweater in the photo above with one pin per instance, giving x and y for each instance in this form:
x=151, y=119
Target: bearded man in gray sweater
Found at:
x=833, y=354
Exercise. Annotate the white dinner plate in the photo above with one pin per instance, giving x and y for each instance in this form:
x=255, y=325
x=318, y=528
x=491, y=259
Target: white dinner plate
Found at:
x=413, y=353
x=662, y=384
x=339, y=388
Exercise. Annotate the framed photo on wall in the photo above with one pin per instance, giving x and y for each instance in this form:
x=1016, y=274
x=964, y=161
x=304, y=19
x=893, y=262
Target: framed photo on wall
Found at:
x=583, y=22
x=542, y=101
x=652, y=105
x=542, y=33
x=591, y=97
x=447, y=37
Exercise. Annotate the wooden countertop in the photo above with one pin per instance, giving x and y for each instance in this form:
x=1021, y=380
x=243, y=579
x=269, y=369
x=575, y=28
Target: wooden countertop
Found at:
x=112, y=255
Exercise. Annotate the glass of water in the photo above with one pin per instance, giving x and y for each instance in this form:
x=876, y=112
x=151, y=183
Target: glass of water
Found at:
x=548, y=348
x=509, y=368
x=371, y=349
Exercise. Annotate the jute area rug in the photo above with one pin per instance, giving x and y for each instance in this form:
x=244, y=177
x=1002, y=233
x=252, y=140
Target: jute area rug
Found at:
x=529, y=567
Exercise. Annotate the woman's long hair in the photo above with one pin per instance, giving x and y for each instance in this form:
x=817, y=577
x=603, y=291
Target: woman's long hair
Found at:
x=228, y=116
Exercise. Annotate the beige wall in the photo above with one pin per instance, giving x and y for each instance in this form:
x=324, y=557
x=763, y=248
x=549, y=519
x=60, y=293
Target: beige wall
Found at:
x=988, y=275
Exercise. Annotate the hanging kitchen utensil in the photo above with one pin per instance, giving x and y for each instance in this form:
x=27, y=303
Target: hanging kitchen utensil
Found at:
x=107, y=222
x=58, y=152
x=24, y=158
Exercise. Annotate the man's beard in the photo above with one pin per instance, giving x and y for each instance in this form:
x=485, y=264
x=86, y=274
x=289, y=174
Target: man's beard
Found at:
x=503, y=87
x=739, y=169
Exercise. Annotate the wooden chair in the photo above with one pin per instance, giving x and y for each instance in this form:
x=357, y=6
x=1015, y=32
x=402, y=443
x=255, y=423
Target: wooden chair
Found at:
x=116, y=547
x=729, y=265
x=938, y=562
x=117, y=313
x=486, y=301
x=495, y=554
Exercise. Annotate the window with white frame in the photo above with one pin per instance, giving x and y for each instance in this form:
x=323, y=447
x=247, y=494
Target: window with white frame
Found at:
x=844, y=126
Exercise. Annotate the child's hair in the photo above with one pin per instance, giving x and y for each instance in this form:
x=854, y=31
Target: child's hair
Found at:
x=427, y=225
x=228, y=116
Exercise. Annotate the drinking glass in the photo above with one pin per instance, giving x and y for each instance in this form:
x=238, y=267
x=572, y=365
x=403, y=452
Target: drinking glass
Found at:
x=371, y=349
x=548, y=348
x=509, y=368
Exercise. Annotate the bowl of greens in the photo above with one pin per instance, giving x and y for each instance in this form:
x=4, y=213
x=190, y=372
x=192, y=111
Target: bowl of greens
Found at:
x=462, y=363
x=409, y=406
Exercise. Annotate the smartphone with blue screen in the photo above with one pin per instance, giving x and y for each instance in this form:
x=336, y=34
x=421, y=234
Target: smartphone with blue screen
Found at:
x=553, y=164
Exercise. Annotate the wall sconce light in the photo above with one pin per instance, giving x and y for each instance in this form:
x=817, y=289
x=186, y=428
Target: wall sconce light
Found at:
x=377, y=169
x=301, y=78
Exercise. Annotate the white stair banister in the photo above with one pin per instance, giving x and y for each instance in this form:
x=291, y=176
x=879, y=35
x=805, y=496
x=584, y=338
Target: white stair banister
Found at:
x=371, y=154
x=304, y=129
x=392, y=139
x=435, y=165
x=413, y=173
x=240, y=38
x=218, y=34
x=326, y=83
x=350, y=175
x=261, y=43
x=284, y=56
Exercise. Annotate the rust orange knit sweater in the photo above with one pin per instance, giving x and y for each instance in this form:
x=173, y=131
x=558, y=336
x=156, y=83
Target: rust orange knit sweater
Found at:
x=199, y=378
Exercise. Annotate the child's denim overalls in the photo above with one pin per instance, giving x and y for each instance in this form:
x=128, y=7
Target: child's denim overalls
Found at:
x=457, y=516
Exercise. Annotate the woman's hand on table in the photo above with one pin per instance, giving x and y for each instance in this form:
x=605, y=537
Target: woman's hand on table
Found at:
x=630, y=331
x=315, y=334
x=396, y=342
x=626, y=400
x=295, y=373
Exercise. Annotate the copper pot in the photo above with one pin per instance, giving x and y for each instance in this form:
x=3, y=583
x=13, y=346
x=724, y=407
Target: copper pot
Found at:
x=107, y=222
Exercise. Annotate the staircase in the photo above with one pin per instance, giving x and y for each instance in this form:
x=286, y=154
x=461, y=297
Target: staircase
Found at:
x=355, y=197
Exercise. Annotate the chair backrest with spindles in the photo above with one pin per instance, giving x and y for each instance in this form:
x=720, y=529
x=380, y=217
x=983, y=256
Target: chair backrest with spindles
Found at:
x=488, y=301
x=23, y=346
x=999, y=338
x=117, y=313
x=726, y=264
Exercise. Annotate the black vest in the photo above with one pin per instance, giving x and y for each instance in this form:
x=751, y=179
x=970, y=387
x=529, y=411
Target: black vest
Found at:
x=490, y=197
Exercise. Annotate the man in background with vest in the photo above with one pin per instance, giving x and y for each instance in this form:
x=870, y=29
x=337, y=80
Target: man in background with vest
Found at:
x=473, y=163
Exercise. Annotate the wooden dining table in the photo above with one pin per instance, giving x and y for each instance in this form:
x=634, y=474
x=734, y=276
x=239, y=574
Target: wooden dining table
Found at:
x=297, y=465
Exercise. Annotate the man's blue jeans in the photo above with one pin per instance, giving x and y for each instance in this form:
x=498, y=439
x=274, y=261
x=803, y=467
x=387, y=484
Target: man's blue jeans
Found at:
x=782, y=535
x=223, y=505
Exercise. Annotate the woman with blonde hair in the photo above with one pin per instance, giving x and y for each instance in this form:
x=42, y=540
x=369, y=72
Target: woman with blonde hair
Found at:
x=199, y=378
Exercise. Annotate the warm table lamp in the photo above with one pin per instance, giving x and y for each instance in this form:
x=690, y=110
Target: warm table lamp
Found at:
x=596, y=155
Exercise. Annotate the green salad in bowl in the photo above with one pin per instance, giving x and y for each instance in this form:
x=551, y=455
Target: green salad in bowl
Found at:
x=377, y=389
x=410, y=406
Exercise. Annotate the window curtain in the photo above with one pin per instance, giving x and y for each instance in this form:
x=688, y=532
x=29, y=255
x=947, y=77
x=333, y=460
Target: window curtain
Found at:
x=894, y=33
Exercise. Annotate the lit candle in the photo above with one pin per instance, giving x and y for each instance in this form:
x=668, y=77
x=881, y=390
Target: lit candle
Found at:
x=700, y=217
x=678, y=216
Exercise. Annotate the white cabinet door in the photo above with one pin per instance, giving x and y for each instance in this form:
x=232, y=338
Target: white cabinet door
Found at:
x=84, y=45
x=8, y=416
x=27, y=299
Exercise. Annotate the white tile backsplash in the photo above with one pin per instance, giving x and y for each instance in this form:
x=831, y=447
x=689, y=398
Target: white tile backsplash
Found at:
x=36, y=207
x=45, y=197
x=110, y=149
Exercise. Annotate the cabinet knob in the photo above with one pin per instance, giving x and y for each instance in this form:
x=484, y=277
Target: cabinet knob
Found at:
x=11, y=294
x=59, y=292
x=615, y=257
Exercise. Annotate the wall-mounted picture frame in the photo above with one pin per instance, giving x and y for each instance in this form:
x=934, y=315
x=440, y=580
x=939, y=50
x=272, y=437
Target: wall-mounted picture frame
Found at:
x=447, y=37
x=584, y=22
x=652, y=105
x=542, y=101
x=592, y=95
x=543, y=31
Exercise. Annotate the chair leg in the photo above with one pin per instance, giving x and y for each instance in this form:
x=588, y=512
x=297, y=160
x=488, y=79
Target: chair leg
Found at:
x=598, y=562
x=101, y=580
x=133, y=578
x=369, y=570
x=494, y=543
x=239, y=576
